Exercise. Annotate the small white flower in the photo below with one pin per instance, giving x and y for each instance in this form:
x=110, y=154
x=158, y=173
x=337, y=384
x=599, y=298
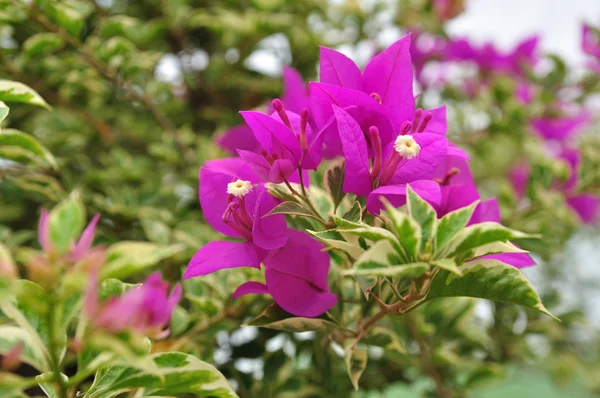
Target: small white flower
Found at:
x=406, y=146
x=239, y=188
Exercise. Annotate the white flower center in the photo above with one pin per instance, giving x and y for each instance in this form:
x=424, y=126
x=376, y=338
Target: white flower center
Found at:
x=406, y=146
x=239, y=188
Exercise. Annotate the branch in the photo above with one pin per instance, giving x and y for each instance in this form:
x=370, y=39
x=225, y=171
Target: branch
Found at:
x=426, y=360
x=89, y=57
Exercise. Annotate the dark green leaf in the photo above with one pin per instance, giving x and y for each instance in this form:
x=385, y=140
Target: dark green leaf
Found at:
x=334, y=183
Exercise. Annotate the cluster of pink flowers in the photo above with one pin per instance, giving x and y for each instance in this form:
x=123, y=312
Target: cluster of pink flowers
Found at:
x=557, y=131
x=366, y=117
x=486, y=58
x=146, y=308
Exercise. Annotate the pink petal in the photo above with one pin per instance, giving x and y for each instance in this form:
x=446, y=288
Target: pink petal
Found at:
x=455, y=197
x=234, y=167
x=273, y=135
x=357, y=179
x=218, y=255
x=337, y=69
x=297, y=296
x=587, y=207
x=396, y=195
x=43, y=232
x=390, y=75
x=438, y=123
x=250, y=288
x=458, y=166
x=423, y=167
x=303, y=257
x=487, y=210
x=268, y=232
x=517, y=260
x=322, y=96
x=295, y=93
x=213, y=199
x=238, y=137
x=85, y=241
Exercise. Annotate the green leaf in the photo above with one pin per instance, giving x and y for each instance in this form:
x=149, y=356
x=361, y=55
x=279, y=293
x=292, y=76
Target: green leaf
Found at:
x=32, y=353
x=291, y=208
x=127, y=258
x=176, y=374
x=334, y=183
x=3, y=111
x=482, y=234
x=273, y=317
x=356, y=363
x=449, y=265
x=281, y=192
x=407, y=230
x=373, y=234
x=70, y=15
x=380, y=255
x=20, y=147
x=66, y=221
x=352, y=218
x=423, y=213
x=340, y=241
x=488, y=279
x=112, y=287
x=11, y=91
x=496, y=248
x=48, y=384
x=7, y=263
x=28, y=308
x=156, y=231
x=452, y=223
x=386, y=339
x=42, y=44
x=412, y=270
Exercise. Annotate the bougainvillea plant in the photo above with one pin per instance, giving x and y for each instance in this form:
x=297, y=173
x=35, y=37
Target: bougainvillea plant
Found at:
x=344, y=246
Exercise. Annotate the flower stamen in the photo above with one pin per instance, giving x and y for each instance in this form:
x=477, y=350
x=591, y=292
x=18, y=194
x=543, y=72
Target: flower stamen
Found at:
x=406, y=146
x=239, y=188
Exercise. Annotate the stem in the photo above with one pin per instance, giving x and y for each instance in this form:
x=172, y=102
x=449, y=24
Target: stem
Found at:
x=53, y=348
x=426, y=360
x=90, y=58
x=397, y=308
x=306, y=200
x=302, y=181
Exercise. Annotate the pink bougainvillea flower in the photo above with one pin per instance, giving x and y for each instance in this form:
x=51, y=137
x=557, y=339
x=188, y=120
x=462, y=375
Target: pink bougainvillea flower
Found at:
x=295, y=97
x=524, y=92
x=387, y=80
x=561, y=128
x=410, y=156
x=425, y=48
x=287, y=143
x=146, y=309
x=585, y=205
x=296, y=277
x=590, y=40
x=489, y=59
x=236, y=208
x=380, y=96
x=79, y=249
